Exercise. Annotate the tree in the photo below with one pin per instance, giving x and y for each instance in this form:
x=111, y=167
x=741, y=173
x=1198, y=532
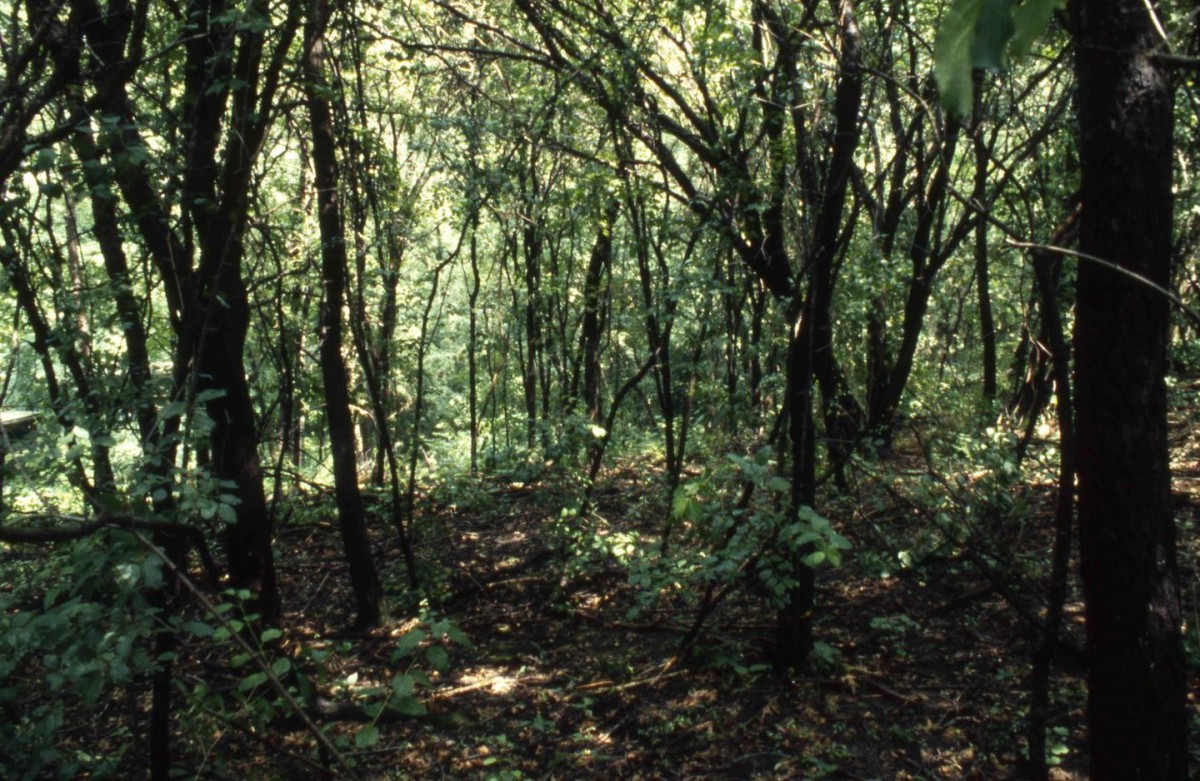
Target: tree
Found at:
x=351, y=516
x=1136, y=673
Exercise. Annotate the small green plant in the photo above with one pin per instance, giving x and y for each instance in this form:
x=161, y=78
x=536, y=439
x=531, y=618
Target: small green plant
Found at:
x=87, y=638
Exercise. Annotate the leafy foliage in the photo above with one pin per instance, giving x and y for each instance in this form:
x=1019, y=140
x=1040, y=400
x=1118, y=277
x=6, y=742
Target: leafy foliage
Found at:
x=984, y=34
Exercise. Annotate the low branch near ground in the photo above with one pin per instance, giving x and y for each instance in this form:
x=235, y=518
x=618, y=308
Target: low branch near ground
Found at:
x=80, y=528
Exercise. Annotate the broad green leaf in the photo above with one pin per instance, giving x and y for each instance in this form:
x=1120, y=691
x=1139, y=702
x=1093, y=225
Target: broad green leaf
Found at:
x=458, y=636
x=172, y=410
x=815, y=558
x=251, y=681
x=403, y=685
x=367, y=736
x=409, y=706
x=281, y=665
x=987, y=34
x=408, y=642
x=952, y=55
x=993, y=30
x=1030, y=20
x=152, y=572
x=437, y=657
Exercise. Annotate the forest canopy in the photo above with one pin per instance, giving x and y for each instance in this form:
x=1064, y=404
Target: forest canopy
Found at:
x=520, y=388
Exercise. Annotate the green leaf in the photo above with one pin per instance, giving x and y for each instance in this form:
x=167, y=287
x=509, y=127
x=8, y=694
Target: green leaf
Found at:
x=815, y=558
x=458, y=636
x=269, y=634
x=993, y=30
x=408, y=642
x=251, y=681
x=438, y=657
x=952, y=55
x=409, y=706
x=172, y=410
x=152, y=572
x=367, y=736
x=281, y=665
x=1030, y=20
x=403, y=685
x=986, y=34
x=205, y=396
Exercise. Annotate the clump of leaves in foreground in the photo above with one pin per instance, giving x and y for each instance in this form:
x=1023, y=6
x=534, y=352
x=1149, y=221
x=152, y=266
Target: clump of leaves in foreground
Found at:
x=986, y=35
x=58, y=661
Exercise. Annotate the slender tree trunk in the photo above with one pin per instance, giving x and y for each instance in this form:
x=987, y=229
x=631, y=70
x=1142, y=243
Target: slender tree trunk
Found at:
x=364, y=577
x=1064, y=514
x=987, y=325
x=473, y=344
x=1136, y=673
x=595, y=311
x=794, y=622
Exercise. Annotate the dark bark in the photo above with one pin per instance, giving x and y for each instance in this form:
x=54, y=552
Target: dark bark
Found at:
x=810, y=347
x=658, y=312
x=107, y=233
x=595, y=311
x=531, y=247
x=364, y=578
x=841, y=412
x=794, y=621
x=1044, y=265
x=1136, y=674
x=473, y=345
x=201, y=265
x=987, y=324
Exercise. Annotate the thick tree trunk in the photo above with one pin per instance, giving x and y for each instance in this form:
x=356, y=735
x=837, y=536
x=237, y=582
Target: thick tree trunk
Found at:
x=1136, y=675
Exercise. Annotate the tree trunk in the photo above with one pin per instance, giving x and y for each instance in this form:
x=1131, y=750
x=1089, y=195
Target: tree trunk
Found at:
x=987, y=324
x=364, y=578
x=1136, y=674
x=595, y=312
x=1045, y=267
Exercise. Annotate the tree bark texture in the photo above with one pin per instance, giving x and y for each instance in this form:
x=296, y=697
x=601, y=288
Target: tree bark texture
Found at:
x=1136, y=675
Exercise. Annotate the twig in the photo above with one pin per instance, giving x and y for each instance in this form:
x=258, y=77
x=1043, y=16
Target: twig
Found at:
x=254, y=655
x=1188, y=312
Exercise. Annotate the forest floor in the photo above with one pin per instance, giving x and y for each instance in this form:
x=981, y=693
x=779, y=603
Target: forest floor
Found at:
x=927, y=676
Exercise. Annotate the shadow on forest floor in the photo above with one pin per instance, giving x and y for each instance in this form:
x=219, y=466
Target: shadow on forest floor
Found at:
x=559, y=682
